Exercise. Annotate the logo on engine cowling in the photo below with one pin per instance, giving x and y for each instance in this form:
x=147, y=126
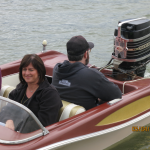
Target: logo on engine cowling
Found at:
x=143, y=46
x=119, y=48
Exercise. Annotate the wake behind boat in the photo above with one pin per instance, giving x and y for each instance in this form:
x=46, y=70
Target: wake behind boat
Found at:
x=102, y=127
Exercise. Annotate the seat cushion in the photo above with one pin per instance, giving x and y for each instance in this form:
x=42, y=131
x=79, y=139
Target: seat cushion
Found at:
x=5, y=90
x=69, y=109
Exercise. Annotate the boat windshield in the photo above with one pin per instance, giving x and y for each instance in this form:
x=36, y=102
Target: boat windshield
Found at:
x=17, y=122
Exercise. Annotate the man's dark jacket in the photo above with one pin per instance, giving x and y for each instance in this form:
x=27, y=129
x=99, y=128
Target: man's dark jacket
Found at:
x=45, y=103
x=78, y=84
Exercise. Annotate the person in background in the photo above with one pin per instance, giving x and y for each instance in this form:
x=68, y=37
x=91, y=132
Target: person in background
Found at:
x=79, y=84
x=35, y=92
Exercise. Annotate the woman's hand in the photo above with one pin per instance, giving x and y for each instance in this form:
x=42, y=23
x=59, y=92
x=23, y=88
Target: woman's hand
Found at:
x=10, y=124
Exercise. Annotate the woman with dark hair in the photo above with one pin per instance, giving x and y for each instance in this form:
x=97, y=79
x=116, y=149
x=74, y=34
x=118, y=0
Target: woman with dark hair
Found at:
x=35, y=92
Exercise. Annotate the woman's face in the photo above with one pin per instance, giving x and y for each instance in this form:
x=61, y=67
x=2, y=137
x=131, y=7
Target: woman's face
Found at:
x=30, y=74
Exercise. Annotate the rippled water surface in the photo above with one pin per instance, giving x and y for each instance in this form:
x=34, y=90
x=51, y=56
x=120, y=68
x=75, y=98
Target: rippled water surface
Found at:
x=25, y=24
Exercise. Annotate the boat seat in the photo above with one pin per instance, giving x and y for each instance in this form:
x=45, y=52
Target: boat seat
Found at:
x=68, y=110
x=5, y=90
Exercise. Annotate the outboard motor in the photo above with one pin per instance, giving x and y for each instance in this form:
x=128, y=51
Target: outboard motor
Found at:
x=131, y=48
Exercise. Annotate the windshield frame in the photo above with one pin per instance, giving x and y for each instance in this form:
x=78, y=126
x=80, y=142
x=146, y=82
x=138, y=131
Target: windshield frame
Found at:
x=44, y=130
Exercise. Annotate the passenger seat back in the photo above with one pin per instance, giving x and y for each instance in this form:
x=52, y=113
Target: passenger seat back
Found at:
x=5, y=90
x=69, y=109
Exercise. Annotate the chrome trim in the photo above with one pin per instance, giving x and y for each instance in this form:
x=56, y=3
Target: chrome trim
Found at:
x=95, y=134
x=130, y=82
x=114, y=101
x=21, y=141
x=131, y=60
x=136, y=40
x=44, y=130
x=120, y=24
x=137, y=54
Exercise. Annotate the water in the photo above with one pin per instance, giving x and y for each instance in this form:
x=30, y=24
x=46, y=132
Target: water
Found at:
x=25, y=24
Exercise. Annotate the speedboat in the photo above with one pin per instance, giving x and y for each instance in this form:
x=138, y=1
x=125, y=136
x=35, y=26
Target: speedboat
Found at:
x=111, y=125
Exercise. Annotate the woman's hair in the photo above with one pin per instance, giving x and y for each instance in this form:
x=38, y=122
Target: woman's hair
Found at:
x=36, y=62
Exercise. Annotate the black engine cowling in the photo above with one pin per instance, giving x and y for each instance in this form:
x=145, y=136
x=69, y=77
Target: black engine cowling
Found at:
x=131, y=48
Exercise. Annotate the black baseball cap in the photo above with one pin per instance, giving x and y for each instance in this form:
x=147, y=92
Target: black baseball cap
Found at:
x=78, y=45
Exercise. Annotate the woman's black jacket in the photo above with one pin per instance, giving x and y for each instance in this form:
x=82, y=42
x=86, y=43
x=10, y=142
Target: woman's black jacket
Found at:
x=45, y=103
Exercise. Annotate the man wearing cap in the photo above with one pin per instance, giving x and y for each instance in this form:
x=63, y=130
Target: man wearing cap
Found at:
x=78, y=84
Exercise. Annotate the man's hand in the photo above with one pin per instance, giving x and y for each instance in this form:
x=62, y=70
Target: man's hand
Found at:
x=10, y=124
x=100, y=101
